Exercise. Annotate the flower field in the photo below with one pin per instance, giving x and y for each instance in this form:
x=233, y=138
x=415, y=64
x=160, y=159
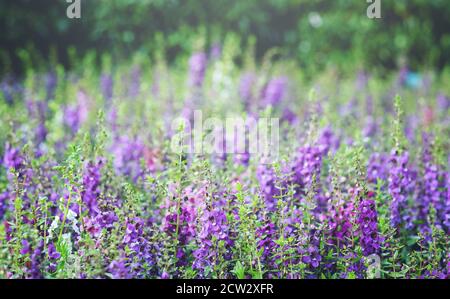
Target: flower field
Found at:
x=90, y=186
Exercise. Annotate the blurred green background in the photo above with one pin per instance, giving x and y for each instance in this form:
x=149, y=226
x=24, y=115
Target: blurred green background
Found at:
x=316, y=33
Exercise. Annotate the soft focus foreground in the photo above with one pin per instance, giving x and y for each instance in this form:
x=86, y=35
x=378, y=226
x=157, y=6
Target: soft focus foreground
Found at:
x=90, y=187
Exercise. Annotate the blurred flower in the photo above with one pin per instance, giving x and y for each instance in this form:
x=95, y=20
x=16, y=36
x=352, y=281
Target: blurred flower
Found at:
x=274, y=91
x=315, y=20
x=76, y=115
x=246, y=85
x=106, y=85
x=216, y=51
x=51, y=81
x=4, y=202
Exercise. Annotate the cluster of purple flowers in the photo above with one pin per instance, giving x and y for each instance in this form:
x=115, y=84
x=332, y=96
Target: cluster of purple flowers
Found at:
x=197, y=69
x=401, y=184
x=430, y=195
x=246, y=86
x=139, y=252
x=106, y=85
x=306, y=167
x=274, y=91
x=340, y=225
x=103, y=220
x=266, y=236
x=214, y=230
x=367, y=220
x=446, y=211
x=38, y=111
x=134, y=87
x=129, y=154
x=91, y=187
x=75, y=115
x=179, y=222
x=311, y=255
x=377, y=167
x=267, y=180
x=4, y=199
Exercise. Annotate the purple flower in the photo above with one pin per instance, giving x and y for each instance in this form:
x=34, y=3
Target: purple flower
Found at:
x=306, y=165
x=267, y=180
x=368, y=227
x=91, y=186
x=216, y=51
x=311, y=254
x=139, y=256
x=76, y=115
x=445, y=215
x=289, y=116
x=429, y=194
x=11, y=90
x=361, y=80
x=185, y=220
x=52, y=253
x=377, y=167
x=118, y=269
x=7, y=92
x=266, y=236
x=370, y=127
x=197, y=69
x=51, y=81
x=135, y=83
x=13, y=158
x=25, y=247
x=443, y=102
x=34, y=267
x=402, y=75
x=4, y=198
x=340, y=227
x=38, y=112
x=246, y=85
x=106, y=86
x=214, y=229
x=274, y=91
x=128, y=153
x=328, y=141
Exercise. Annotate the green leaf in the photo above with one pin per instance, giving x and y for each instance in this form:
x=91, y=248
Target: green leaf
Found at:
x=239, y=270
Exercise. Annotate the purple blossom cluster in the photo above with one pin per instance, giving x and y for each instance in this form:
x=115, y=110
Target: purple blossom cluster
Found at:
x=340, y=225
x=274, y=91
x=267, y=180
x=367, y=220
x=214, y=235
x=377, y=168
x=108, y=197
x=401, y=185
x=91, y=187
x=306, y=167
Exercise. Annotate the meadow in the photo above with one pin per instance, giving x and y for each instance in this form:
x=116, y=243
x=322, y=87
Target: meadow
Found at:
x=91, y=188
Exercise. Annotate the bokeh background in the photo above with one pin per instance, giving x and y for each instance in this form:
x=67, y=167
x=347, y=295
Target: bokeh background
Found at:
x=316, y=33
x=91, y=186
